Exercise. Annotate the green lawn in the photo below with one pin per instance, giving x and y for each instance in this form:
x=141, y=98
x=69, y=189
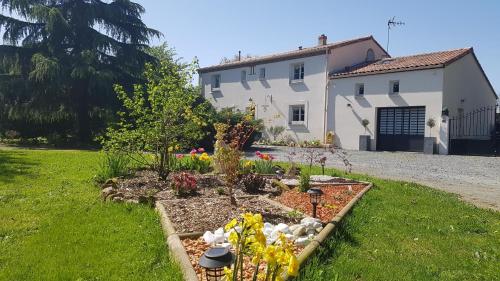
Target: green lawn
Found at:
x=405, y=231
x=54, y=226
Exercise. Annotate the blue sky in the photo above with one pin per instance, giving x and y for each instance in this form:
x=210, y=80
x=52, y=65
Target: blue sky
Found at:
x=213, y=29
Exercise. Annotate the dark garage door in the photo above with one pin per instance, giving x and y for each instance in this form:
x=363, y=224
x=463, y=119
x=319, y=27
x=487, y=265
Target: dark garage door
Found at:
x=401, y=128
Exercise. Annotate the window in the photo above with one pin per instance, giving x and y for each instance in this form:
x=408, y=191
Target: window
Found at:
x=243, y=76
x=370, y=55
x=394, y=87
x=262, y=74
x=252, y=70
x=298, y=72
x=298, y=114
x=360, y=90
x=216, y=82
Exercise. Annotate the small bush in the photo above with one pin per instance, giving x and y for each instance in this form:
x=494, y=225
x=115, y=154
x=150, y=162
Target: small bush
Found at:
x=305, y=181
x=253, y=183
x=112, y=165
x=183, y=183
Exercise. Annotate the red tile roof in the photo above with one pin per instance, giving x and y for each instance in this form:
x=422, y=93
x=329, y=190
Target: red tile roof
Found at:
x=299, y=53
x=398, y=64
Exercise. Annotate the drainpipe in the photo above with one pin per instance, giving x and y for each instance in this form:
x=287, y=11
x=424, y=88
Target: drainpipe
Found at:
x=325, y=100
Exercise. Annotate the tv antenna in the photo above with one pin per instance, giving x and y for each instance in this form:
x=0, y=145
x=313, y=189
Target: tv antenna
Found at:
x=392, y=23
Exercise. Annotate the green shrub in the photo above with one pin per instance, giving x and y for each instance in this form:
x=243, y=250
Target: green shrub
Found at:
x=112, y=165
x=305, y=181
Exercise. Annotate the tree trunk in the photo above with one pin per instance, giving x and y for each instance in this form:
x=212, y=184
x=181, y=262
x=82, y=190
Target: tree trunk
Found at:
x=81, y=93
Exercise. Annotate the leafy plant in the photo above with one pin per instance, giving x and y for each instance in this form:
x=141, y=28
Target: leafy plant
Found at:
x=198, y=162
x=253, y=183
x=365, y=123
x=276, y=131
x=264, y=165
x=431, y=123
x=227, y=158
x=305, y=181
x=112, y=165
x=183, y=183
x=246, y=167
x=164, y=112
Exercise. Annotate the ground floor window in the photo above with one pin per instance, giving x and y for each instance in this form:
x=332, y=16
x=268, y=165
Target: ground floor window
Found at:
x=298, y=114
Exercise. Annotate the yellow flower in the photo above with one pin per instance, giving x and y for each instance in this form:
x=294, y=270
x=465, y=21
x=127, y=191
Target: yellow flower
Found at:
x=204, y=157
x=231, y=224
x=248, y=164
x=293, y=266
x=170, y=149
x=233, y=237
x=228, y=273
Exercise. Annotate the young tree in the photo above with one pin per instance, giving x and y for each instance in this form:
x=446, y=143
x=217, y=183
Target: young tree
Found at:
x=164, y=113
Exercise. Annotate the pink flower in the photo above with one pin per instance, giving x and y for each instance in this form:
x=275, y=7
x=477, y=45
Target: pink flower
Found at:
x=201, y=150
x=179, y=156
x=271, y=157
x=194, y=151
x=258, y=153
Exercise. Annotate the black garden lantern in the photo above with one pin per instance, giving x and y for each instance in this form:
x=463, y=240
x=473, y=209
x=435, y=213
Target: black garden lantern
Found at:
x=315, y=197
x=214, y=260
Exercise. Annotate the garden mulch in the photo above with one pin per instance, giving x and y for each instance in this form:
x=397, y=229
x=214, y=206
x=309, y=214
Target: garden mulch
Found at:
x=198, y=214
x=334, y=199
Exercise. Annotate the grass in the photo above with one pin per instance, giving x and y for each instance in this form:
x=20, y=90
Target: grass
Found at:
x=54, y=226
x=406, y=231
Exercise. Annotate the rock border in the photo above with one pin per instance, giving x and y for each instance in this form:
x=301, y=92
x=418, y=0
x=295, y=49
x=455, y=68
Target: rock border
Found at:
x=178, y=252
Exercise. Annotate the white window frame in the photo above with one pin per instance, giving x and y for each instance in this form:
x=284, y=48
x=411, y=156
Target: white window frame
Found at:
x=357, y=88
x=262, y=73
x=301, y=76
x=252, y=70
x=302, y=112
x=214, y=78
x=243, y=76
x=391, y=87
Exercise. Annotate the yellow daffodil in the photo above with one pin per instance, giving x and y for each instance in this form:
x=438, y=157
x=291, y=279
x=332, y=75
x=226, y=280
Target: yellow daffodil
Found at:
x=231, y=224
x=233, y=238
x=293, y=266
x=228, y=273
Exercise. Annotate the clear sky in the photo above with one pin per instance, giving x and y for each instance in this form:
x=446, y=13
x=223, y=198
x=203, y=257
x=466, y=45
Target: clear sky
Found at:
x=214, y=29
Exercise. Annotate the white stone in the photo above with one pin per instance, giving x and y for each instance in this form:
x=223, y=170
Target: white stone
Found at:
x=322, y=178
x=299, y=231
x=209, y=237
x=302, y=241
x=219, y=236
x=311, y=231
x=282, y=228
x=311, y=222
x=295, y=226
x=290, y=182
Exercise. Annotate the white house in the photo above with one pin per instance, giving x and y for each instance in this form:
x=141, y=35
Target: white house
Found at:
x=332, y=88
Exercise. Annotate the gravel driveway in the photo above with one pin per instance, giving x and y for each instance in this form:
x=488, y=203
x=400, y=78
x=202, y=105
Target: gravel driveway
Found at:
x=476, y=179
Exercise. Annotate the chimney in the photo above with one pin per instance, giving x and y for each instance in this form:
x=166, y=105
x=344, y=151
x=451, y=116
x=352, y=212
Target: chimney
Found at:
x=322, y=40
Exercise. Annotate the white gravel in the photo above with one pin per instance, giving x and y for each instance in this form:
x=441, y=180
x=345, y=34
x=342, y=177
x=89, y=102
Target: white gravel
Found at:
x=476, y=179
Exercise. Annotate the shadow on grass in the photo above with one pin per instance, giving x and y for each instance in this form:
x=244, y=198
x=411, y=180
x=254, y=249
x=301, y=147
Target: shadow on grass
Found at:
x=15, y=163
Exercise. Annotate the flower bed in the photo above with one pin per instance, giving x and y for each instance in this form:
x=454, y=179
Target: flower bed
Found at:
x=333, y=200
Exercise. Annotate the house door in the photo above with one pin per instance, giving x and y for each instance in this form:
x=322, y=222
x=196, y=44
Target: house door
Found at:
x=401, y=128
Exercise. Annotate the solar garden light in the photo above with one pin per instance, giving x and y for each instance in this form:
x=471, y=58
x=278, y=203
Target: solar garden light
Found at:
x=213, y=262
x=315, y=197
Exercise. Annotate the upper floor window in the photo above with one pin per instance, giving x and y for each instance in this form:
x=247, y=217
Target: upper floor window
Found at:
x=298, y=71
x=243, y=76
x=360, y=89
x=262, y=73
x=370, y=55
x=394, y=87
x=252, y=70
x=215, y=82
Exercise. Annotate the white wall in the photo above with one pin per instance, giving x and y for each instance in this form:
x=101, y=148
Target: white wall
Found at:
x=464, y=80
x=352, y=54
x=417, y=88
x=275, y=94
